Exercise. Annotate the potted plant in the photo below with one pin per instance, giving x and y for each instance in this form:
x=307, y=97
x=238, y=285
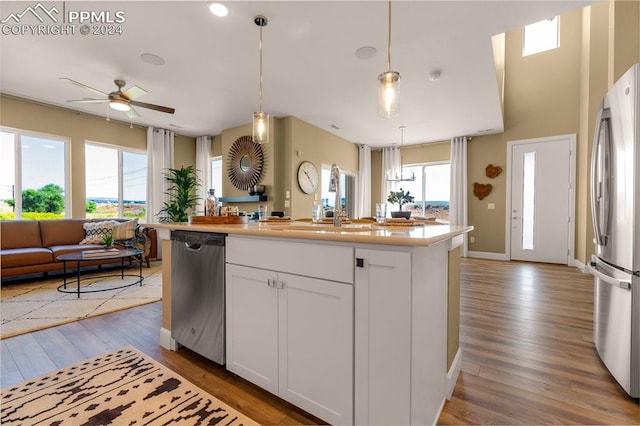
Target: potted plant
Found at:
x=107, y=240
x=183, y=183
x=400, y=197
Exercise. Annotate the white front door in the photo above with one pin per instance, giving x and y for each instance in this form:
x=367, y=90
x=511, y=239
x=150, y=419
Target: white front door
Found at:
x=541, y=208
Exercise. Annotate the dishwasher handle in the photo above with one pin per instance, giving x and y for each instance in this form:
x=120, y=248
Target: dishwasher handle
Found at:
x=194, y=239
x=193, y=246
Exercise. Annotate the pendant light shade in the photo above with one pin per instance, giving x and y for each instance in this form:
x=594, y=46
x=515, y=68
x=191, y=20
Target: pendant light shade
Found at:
x=388, y=91
x=389, y=85
x=260, y=118
x=260, y=127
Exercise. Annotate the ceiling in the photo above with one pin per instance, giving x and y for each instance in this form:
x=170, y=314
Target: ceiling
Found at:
x=310, y=69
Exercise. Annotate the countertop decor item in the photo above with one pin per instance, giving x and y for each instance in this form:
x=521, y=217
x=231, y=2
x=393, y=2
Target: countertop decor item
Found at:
x=245, y=163
x=308, y=177
x=217, y=220
x=400, y=198
x=183, y=183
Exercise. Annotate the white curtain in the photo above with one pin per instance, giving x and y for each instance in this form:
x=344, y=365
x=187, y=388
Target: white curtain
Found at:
x=391, y=169
x=363, y=206
x=458, y=203
x=159, y=158
x=203, y=169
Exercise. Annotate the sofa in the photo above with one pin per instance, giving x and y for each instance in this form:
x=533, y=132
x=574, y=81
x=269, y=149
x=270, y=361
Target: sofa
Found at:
x=31, y=246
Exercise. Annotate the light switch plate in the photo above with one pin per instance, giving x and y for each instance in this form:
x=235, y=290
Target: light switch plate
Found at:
x=491, y=206
x=287, y=194
x=287, y=203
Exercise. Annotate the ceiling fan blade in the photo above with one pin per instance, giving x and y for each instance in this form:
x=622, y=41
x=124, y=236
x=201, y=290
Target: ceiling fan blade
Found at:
x=134, y=92
x=154, y=107
x=84, y=86
x=132, y=113
x=89, y=101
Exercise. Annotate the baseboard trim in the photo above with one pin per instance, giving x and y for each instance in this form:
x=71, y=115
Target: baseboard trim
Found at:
x=487, y=255
x=581, y=266
x=166, y=341
x=453, y=373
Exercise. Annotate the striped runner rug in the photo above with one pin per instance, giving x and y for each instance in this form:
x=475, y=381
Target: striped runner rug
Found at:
x=123, y=387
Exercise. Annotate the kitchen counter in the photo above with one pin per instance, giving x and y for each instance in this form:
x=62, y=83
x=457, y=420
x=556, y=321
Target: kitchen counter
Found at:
x=384, y=299
x=424, y=235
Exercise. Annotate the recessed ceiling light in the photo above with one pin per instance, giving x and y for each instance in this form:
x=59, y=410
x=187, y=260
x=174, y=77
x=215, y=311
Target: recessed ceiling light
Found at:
x=152, y=59
x=218, y=9
x=435, y=75
x=366, y=52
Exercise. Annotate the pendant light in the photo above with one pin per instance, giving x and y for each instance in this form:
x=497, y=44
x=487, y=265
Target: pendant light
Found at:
x=401, y=178
x=260, y=118
x=389, y=85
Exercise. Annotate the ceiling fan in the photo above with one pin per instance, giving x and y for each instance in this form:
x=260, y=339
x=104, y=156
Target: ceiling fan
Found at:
x=119, y=100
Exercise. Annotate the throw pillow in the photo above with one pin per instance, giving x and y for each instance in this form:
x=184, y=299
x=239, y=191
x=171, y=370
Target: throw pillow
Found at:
x=125, y=230
x=94, y=231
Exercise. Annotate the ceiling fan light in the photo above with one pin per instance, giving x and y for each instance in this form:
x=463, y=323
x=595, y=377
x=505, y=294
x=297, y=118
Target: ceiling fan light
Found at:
x=260, y=127
x=119, y=105
x=388, y=94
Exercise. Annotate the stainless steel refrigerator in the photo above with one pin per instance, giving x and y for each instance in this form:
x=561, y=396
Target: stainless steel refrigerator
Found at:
x=615, y=207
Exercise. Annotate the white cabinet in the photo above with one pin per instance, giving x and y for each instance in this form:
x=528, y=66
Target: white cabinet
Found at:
x=400, y=338
x=252, y=326
x=316, y=346
x=292, y=334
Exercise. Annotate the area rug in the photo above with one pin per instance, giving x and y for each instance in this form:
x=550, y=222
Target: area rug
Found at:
x=123, y=387
x=35, y=304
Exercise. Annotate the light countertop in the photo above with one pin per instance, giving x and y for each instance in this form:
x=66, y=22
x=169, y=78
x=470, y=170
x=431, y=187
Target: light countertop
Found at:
x=424, y=235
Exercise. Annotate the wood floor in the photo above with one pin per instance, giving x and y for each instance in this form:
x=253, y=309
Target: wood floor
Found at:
x=527, y=353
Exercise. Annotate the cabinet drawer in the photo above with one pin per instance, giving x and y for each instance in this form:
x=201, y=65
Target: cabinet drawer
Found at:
x=327, y=262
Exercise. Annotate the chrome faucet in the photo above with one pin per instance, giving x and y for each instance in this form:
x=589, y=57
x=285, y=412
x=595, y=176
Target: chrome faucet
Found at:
x=334, y=186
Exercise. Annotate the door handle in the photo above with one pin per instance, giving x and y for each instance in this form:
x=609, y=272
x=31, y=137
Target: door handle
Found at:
x=592, y=269
x=275, y=283
x=600, y=176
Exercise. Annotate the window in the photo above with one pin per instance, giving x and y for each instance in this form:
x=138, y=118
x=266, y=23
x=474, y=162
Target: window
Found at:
x=540, y=36
x=430, y=189
x=347, y=191
x=216, y=175
x=33, y=175
x=116, y=181
x=528, y=200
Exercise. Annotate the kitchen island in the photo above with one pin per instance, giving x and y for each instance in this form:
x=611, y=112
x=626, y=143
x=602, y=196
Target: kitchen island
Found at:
x=356, y=324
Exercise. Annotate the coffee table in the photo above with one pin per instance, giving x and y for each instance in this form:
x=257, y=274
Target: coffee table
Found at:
x=78, y=257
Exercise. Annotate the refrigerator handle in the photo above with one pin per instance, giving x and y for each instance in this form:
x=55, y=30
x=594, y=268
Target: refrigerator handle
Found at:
x=600, y=176
x=592, y=269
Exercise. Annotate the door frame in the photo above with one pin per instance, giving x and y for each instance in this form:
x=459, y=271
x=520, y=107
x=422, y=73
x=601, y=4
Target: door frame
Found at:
x=571, y=260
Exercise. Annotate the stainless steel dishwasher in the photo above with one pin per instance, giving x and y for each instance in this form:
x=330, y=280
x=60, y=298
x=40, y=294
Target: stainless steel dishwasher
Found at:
x=197, y=292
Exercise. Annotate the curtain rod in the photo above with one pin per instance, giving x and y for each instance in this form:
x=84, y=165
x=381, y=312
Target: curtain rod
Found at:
x=420, y=145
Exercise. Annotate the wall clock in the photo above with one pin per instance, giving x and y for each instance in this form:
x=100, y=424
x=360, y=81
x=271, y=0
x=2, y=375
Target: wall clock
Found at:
x=308, y=177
